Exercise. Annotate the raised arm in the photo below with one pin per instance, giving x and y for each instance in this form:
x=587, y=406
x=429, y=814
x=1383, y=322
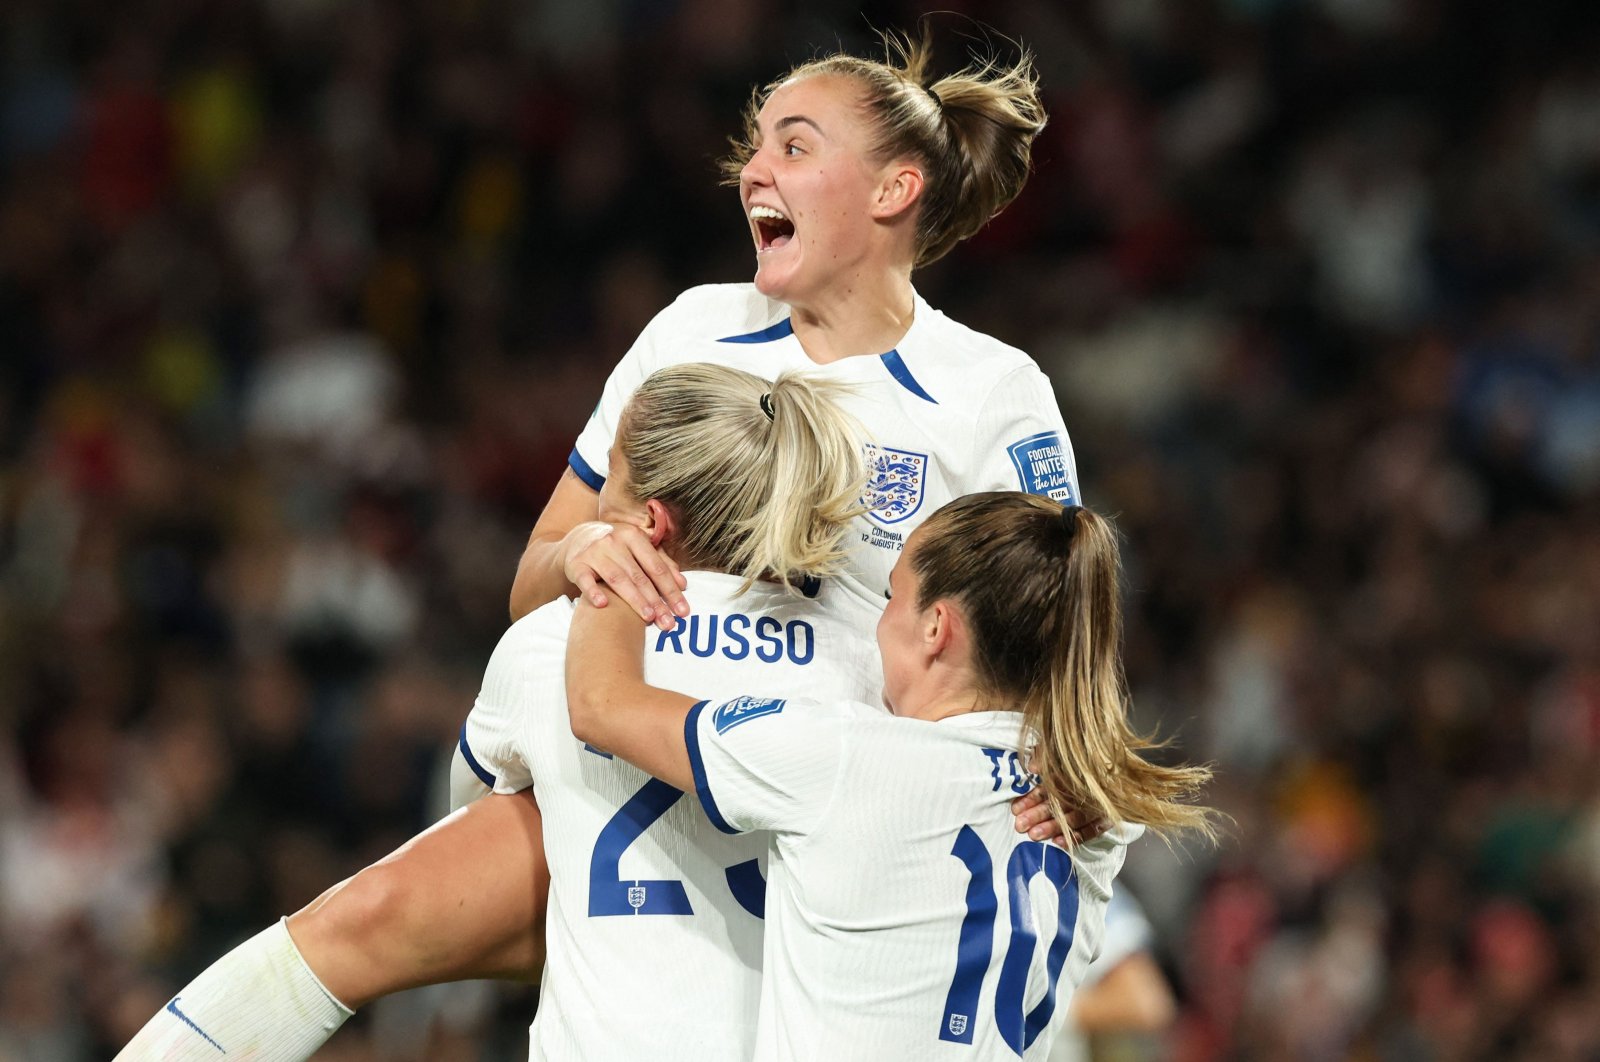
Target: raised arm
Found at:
x=570, y=552
x=611, y=705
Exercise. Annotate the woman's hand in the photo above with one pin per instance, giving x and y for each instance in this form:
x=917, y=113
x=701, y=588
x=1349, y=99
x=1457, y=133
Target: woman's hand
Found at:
x=1034, y=819
x=622, y=557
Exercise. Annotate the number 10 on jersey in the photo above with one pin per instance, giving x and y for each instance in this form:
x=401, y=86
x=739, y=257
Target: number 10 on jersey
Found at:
x=976, y=946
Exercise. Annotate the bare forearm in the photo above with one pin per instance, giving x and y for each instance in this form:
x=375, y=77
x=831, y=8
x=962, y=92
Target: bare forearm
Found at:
x=610, y=704
x=540, y=570
x=605, y=672
x=540, y=578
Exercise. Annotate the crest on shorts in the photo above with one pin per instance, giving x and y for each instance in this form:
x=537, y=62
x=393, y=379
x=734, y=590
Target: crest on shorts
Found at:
x=895, y=482
x=958, y=1024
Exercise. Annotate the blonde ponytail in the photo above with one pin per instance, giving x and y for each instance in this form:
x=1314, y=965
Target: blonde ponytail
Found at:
x=756, y=494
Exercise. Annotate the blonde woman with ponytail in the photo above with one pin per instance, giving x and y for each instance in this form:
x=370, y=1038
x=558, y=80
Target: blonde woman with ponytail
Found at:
x=654, y=926
x=907, y=920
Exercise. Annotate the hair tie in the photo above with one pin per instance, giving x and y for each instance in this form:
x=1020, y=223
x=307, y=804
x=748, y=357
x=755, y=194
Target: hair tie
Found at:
x=934, y=96
x=1069, y=521
x=766, y=406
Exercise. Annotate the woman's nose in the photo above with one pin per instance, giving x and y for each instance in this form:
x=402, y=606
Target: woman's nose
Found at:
x=755, y=171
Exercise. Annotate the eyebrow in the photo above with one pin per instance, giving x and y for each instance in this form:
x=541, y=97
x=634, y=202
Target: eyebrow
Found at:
x=795, y=119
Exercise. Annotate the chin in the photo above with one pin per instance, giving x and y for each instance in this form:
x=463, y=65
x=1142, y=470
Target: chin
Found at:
x=775, y=281
x=770, y=285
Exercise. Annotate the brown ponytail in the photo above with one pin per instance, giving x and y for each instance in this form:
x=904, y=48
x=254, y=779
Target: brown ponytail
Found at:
x=1039, y=589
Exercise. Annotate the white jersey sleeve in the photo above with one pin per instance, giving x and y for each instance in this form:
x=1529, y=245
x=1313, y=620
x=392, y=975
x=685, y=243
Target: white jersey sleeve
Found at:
x=590, y=457
x=1128, y=933
x=491, y=741
x=763, y=763
x=1021, y=441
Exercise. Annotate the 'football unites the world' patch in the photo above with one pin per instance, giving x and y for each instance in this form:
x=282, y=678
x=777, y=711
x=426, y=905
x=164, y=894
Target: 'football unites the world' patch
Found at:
x=1041, y=464
x=743, y=709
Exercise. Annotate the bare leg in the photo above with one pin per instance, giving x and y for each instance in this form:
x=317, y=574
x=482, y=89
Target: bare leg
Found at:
x=464, y=899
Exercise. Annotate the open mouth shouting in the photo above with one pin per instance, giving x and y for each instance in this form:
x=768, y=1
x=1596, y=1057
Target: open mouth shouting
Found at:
x=772, y=229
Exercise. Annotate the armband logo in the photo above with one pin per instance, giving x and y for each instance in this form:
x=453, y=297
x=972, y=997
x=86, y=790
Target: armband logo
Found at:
x=1041, y=464
x=895, y=481
x=742, y=710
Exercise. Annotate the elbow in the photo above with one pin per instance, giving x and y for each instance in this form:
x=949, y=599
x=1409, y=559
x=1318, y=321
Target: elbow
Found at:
x=585, y=713
x=584, y=731
x=1153, y=1007
x=1158, y=1011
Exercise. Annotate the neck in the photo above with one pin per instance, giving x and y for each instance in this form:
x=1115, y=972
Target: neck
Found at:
x=859, y=315
x=944, y=709
x=939, y=693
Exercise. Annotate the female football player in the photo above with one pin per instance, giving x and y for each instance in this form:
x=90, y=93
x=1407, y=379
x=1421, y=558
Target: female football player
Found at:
x=852, y=173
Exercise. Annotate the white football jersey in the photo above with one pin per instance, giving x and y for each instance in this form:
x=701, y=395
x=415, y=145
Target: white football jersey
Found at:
x=654, y=931
x=906, y=918
x=948, y=412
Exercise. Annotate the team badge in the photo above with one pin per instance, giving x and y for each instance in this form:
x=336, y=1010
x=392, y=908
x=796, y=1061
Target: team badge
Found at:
x=742, y=710
x=1041, y=464
x=636, y=896
x=895, y=482
x=958, y=1024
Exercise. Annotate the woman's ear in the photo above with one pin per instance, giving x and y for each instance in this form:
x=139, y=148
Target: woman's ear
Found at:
x=901, y=188
x=659, y=525
x=944, y=629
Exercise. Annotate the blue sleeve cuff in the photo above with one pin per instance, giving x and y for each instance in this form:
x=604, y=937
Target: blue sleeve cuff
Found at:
x=581, y=467
x=697, y=765
x=472, y=761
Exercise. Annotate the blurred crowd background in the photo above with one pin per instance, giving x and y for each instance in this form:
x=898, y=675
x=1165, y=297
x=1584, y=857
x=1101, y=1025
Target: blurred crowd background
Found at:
x=302, y=303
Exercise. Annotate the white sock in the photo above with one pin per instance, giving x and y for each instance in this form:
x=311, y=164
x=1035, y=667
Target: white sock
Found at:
x=260, y=1001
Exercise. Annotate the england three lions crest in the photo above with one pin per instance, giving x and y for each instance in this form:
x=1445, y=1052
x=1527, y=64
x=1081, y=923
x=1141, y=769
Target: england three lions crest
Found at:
x=895, y=482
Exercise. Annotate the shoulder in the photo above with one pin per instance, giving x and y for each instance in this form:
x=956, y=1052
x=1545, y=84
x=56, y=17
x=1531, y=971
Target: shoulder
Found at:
x=974, y=373
x=716, y=311
x=967, y=347
x=540, y=633
x=530, y=656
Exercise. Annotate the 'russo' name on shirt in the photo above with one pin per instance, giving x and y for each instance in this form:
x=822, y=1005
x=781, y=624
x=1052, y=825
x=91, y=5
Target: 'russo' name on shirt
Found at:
x=736, y=636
